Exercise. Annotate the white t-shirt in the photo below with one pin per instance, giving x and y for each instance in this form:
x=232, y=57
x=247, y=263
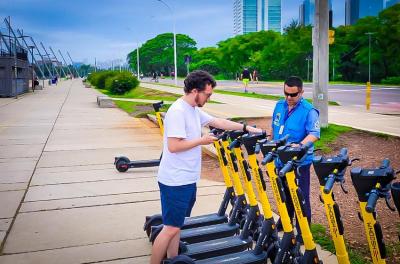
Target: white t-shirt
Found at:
x=182, y=121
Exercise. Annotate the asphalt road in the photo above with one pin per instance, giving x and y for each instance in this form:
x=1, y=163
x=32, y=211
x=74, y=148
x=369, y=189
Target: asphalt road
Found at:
x=383, y=98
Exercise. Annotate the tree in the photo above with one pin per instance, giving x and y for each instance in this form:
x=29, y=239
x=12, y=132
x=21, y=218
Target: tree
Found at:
x=157, y=54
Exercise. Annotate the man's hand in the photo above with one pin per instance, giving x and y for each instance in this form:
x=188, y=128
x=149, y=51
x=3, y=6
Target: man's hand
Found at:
x=207, y=139
x=254, y=130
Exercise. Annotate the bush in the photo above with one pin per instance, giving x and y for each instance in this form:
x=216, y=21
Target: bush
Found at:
x=98, y=79
x=391, y=80
x=121, y=83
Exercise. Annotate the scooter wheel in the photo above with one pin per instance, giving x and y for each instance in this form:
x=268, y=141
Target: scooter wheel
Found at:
x=122, y=164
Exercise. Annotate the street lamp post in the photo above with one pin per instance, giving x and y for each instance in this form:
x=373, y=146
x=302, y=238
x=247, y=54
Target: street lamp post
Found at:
x=33, y=78
x=175, y=63
x=368, y=92
x=137, y=61
x=369, y=54
x=308, y=58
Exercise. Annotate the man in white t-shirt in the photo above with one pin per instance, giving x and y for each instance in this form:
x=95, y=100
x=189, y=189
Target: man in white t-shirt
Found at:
x=180, y=166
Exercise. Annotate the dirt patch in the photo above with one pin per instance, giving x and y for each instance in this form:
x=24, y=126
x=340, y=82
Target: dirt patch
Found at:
x=370, y=149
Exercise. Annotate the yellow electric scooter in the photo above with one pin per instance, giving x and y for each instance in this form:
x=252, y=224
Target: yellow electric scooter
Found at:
x=292, y=158
x=331, y=170
x=289, y=249
x=372, y=184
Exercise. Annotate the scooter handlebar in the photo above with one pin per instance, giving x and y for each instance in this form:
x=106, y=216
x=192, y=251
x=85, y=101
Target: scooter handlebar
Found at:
x=385, y=163
x=268, y=158
x=307, y=146
x=257, y=148
x=233, y=144
x=372, y=200
x=343, y=152
x=288, y=167
x=329, y=184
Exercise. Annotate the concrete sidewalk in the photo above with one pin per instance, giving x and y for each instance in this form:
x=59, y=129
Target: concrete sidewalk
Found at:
x=61, y=199
x=239, y=106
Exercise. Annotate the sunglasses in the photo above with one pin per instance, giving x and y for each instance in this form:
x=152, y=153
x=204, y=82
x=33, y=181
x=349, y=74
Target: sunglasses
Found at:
x=291, y=94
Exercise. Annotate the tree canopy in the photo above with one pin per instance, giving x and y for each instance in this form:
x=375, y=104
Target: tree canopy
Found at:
x=277, y=56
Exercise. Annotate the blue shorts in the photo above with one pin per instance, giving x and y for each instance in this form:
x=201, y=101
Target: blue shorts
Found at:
x=177, y=203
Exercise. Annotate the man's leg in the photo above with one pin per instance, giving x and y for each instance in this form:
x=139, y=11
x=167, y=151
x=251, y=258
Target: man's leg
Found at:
x=163, y=242
x=173, y=247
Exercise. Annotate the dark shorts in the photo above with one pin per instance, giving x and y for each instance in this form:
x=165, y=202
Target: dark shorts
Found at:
x=177, y=203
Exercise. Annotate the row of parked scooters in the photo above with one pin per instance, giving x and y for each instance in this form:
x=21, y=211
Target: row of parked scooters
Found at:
x=244, y=234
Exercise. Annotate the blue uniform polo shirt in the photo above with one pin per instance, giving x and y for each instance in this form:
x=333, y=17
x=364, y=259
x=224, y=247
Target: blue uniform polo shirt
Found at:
x=301, y=121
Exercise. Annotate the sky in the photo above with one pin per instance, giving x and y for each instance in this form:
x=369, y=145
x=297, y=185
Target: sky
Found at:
x=109, y=29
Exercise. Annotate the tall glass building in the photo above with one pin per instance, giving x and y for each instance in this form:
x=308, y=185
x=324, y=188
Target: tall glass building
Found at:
x=356, y=9
x=255, y=15
x=389, y=3
x=307, y=10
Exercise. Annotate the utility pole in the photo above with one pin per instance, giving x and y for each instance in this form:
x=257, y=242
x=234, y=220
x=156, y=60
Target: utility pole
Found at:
x=321, y=60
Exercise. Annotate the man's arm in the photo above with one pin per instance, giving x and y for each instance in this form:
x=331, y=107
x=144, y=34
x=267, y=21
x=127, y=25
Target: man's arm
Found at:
x=230, y=125
x=181, y=144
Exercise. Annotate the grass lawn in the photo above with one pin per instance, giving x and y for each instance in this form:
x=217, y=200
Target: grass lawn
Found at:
x=137, y=109
x=321, y=237
x=329, y=135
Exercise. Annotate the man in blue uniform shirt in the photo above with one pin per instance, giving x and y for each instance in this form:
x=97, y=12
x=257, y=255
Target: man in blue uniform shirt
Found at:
x=298, y=118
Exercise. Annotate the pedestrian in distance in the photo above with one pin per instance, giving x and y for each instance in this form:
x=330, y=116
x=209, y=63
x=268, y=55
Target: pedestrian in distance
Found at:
x=296, y=117
x=180, y=165
x=255, y=76
x=246, y=77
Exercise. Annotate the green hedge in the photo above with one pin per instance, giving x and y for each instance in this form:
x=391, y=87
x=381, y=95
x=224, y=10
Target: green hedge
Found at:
x=391, y=80
x=114, y=81
x=121, y=83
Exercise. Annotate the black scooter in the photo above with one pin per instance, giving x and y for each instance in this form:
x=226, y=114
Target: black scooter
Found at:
x=122, y=163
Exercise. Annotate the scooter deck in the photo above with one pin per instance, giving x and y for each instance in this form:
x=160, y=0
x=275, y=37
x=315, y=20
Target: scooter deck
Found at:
x=246, y=257
x=217, y=247
x=206, y=233
x=204, y=220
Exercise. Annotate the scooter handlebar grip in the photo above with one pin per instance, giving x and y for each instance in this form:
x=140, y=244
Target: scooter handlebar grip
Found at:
x=288, y=167
x=257, y=148
x=233, y=144
x=329, y=184
x=267, y=159
x=372, y=200
x=343, y=152
x=307, y=146
x=385, y=163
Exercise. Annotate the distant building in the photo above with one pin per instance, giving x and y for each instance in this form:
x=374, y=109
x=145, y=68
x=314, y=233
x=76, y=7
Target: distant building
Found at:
x=356, y=9
x=307, y=10
x=256, y=15
x=389, y=3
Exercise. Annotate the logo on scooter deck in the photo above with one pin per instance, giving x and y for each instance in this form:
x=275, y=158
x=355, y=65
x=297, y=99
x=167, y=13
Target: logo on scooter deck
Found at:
x=373, y=242
x=296, y=202
x=332, y=220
